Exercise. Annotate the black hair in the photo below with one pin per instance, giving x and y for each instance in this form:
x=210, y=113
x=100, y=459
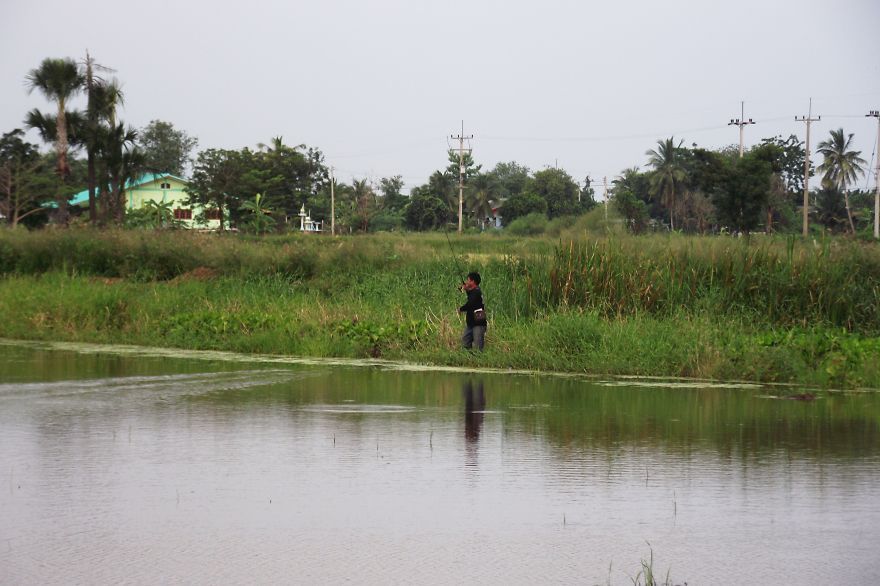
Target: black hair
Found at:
x=475, y=277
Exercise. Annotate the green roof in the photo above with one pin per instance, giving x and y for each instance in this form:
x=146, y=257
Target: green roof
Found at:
x=83, y=196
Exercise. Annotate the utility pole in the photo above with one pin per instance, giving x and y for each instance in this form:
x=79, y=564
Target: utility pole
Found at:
x=876, y=114
x=461, y=138
x=605, y=196
x=332, y=203
x=741, y=122
x=808, y=119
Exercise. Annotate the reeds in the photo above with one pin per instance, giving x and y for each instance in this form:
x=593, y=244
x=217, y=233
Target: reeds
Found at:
x=833, y=284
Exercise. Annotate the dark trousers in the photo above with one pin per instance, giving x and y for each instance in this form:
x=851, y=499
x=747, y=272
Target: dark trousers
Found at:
x=474, y=336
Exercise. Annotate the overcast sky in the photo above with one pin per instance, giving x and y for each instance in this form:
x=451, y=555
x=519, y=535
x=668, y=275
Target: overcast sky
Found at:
x=379, y=86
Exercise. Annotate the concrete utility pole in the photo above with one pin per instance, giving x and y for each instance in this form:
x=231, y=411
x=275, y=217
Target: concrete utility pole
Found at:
x=876, y=114
x=605, y=196
x=741, y=122
x=461, y=138
x=808, y=119
x=332, y=204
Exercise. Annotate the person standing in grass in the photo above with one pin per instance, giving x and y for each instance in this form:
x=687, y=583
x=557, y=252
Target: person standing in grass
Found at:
x=474, y=313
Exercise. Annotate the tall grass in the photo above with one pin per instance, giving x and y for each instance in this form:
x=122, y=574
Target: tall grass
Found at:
x=837, y=284
x=768, y=310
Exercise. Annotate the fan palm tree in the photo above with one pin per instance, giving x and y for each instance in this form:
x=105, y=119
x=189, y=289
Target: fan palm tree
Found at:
x=841, y=166
x=58, y=80
x=668, y=176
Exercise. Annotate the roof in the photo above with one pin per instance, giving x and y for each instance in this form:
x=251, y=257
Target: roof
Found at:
x=83, y=196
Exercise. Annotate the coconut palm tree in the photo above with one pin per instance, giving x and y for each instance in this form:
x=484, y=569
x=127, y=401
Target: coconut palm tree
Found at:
x=668, y=176
x=841, y=166
x=481, y=194
x=58, y=80
x=365, y=200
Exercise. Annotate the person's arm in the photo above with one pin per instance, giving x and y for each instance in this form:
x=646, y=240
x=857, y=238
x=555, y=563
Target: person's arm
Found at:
x=474, y=301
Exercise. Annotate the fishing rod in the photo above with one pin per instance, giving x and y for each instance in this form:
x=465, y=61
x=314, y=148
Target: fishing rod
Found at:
x=452, y=250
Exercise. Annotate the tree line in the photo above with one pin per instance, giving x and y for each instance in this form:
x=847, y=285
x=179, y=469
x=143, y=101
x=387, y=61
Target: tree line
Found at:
x=699, y=190
x=689, y=189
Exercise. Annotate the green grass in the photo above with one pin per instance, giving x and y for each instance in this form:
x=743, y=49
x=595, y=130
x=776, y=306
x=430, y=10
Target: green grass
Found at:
x=767, y=310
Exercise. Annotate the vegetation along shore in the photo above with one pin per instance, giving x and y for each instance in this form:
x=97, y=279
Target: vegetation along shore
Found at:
x=767, y=309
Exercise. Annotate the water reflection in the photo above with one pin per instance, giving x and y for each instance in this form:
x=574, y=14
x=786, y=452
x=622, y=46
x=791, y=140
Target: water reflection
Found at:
x=124, y=469
x=474, y=397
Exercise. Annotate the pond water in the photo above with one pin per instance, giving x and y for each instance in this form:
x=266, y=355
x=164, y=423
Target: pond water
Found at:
x=140, y=466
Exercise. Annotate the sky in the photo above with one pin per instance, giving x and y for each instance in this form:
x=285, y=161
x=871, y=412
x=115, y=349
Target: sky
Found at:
x=380, y=86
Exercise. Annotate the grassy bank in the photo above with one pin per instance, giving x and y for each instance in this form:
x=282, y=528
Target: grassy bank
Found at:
x=764, y=310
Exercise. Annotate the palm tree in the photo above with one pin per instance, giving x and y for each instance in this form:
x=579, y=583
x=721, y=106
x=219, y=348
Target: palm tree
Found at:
x=841, y=166
x=364, y=199
x=668, y=175
x=58, y=80
x=123, y=163
x=481, y=194
x=97, y=95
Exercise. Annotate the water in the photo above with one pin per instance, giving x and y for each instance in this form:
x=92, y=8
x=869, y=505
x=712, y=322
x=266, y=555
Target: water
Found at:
x=125, y=466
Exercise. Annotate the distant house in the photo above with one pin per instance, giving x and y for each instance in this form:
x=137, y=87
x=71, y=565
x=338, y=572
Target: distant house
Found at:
x=160, y=188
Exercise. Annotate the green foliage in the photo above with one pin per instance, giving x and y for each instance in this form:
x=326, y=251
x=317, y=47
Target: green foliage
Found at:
x=260, y=219
x=742, y=193
x=372, y=339
x=166, y=149
x=529, y=225
x=558, y=190
x=521, y=205
x=664, y=306
x=426, y=212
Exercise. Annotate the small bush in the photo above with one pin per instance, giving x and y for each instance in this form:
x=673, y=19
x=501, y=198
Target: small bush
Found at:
x=529, y=225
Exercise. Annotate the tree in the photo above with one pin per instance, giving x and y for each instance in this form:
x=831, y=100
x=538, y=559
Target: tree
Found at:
x=443, y=186
x=58, y=80
x=25, y=181
x=122, y=165
x=841, y=166
x=166, y=149
x=790, y=156
x=481, y=197
x=215, y=183
x=624, y=195
x=668, y=176
x=260, y=220
x=510, y=178
x=558, y=190
x=587, y=196
x=425, y=211
x=365, y=202
x=95, y=110
x=741, y=195
x=521, y=205
x=392, y=199
x=831, y=209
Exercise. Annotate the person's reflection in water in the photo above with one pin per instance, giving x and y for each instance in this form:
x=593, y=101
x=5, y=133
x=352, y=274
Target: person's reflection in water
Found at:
x=474, y=409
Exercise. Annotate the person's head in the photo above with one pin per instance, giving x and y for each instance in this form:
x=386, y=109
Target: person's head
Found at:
x=473, y=280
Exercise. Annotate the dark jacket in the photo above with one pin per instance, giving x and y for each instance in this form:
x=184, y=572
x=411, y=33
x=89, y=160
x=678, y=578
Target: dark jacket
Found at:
x=474, y=301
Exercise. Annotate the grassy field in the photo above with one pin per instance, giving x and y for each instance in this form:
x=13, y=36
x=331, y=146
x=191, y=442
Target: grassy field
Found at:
x=772, y=310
